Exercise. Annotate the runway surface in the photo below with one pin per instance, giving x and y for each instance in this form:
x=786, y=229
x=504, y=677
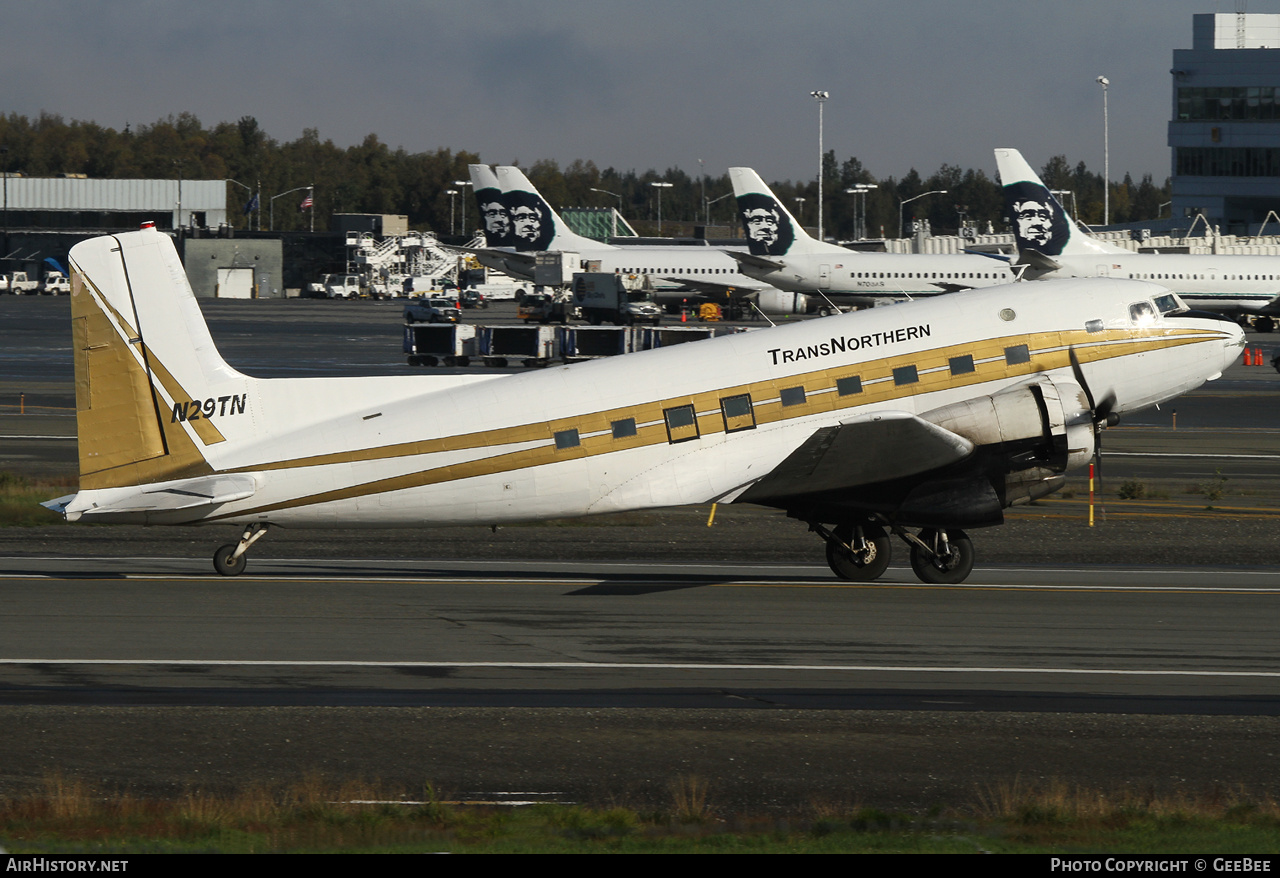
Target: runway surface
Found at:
x=606, y=684
x=117, y=631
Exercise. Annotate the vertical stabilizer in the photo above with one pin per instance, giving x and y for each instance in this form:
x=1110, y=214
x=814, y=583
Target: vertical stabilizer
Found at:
x=495, y=218
x=149, y=380
x=1040, y=225
x=534, y=225
x=770, y=227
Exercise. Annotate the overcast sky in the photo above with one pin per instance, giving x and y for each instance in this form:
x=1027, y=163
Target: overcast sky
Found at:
x=632, y=85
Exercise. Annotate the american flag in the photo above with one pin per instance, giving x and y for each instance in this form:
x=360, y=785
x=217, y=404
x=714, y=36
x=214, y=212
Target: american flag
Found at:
x=307, y=203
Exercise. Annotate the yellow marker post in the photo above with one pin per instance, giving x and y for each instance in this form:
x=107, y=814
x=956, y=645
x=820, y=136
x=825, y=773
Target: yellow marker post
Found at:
x=712, y=517
x=1091, y=495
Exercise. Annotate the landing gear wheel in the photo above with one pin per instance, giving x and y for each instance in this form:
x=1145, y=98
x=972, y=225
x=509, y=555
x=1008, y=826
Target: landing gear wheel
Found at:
x=864, y=566
x=226, y=563
x=951, y=560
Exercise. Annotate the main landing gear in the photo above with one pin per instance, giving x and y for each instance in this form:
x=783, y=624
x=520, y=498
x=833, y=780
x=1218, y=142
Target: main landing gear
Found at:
x=230, y=559
x=861, y=552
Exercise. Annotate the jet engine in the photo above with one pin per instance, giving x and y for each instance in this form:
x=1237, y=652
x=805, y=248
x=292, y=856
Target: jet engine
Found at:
x=773, y=301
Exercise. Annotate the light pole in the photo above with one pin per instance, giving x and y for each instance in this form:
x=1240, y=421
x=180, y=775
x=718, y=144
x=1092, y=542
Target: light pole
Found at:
x=271, y=222
x=453, y=230
x=1063, y=195
x=614, y=218
x=660, y=187
x=178, y=165
x=860, y=220
x=821, y=98
x=249, y=205
x=4, y=152
x=1106, y=153
x=799, y=208
x=464, y=203
x=702, y=181
x=903, y=204
x=713, y=201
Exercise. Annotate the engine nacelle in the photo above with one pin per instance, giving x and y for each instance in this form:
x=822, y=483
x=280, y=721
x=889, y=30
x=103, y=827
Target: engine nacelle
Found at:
x=1045, y=424
x=773, y=301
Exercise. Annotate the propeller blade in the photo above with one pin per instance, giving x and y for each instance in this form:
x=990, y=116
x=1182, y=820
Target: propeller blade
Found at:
x=1080, y=379
x=1101, y=412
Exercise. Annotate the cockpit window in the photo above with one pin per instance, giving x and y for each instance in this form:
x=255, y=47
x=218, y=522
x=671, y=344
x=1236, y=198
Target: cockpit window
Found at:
x=1169, y=304
x=1142, y=313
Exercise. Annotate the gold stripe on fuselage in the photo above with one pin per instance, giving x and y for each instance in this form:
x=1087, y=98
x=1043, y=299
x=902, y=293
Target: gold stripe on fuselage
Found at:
x=1048, y=351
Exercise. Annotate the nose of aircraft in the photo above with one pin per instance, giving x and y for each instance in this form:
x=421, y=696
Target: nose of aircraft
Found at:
x=1232, y=345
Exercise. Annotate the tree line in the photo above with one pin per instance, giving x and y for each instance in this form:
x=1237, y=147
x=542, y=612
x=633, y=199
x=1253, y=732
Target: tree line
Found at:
x=371, y=177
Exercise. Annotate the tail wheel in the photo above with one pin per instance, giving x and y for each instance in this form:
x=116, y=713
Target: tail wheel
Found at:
x=951, y=560
x=226, y=562
x=866, y=565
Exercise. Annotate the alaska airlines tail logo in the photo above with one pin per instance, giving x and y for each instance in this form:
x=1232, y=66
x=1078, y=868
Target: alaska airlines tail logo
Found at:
x=521, y=220
x=769, y=231
x=1039, y=222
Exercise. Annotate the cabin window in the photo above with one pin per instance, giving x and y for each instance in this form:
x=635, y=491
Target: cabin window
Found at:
x=849, y=386
x=1093, y=326
x=682, y=423
x=792, y=395
x=961, y=365
x=738, y=413
x=905, y=375
x=624, y=429
x=1017, y=355
x=567, y=439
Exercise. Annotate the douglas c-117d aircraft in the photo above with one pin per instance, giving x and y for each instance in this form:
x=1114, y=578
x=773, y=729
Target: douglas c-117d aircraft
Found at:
x=921, y=419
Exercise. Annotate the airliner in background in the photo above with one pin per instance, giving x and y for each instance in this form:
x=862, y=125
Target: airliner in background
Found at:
x=1051, y=244
x=519, y=224
x=782, y=253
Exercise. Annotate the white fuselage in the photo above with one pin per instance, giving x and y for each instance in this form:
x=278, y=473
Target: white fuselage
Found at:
x=665, y=266
x=1222, y=284
x=882, y=275
x=606, y=436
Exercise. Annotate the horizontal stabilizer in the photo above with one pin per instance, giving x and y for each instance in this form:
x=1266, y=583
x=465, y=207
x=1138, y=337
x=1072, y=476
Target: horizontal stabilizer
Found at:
x=1037, y=260
x=184, y=494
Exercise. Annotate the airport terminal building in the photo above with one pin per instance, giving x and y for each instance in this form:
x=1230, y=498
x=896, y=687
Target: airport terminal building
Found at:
x=1225, y=128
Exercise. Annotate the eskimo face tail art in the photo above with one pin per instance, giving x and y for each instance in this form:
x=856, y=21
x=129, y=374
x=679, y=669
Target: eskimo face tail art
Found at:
x=535, y=227
x=495, y=215
x=1040, y=225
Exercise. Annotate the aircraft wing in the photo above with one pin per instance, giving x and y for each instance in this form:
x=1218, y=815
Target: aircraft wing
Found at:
x=511, y=262
x=713, y=289
x=872, y=448
x=759, y=262
x=951, y=288
x=1271, y=308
